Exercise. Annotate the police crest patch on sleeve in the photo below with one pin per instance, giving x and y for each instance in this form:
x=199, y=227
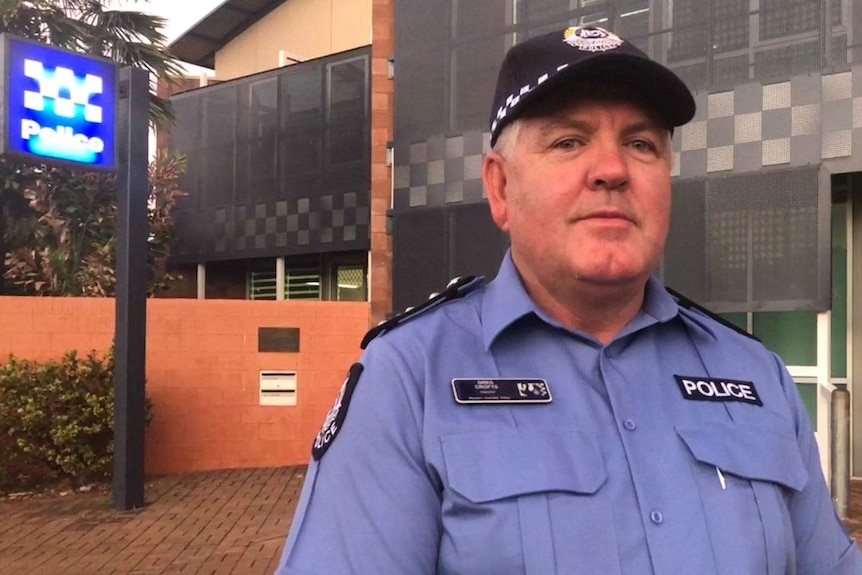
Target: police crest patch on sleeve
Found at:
x=335, y=418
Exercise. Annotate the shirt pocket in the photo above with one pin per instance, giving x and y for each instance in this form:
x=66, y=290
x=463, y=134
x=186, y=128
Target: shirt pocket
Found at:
x=746, y=475
x=526, y=501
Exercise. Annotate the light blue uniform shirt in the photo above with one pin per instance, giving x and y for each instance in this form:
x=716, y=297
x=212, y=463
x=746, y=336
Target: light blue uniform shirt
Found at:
x=619, y=473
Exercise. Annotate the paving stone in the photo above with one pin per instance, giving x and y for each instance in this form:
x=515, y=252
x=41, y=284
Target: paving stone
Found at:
x=232, y=521
x=215, y=523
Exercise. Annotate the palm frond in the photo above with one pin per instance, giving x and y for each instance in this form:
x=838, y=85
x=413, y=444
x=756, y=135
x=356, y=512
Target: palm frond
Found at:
x=129, y=37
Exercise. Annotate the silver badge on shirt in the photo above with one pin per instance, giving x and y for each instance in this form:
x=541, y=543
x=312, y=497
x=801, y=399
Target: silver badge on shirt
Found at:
x=491, y=391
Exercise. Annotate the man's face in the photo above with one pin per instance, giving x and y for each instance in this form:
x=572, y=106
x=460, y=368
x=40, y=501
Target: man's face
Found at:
x=584, y=193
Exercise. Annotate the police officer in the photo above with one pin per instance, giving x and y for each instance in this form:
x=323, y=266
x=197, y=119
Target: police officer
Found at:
x=572, y=416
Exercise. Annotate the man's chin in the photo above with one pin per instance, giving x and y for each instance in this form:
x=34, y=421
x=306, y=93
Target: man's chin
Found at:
x=614, y=279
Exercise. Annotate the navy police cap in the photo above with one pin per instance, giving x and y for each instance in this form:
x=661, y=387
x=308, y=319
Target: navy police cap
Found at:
x=580, y=56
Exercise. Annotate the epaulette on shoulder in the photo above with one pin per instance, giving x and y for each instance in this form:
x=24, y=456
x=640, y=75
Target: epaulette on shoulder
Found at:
x=689, y=304
x=457, y=288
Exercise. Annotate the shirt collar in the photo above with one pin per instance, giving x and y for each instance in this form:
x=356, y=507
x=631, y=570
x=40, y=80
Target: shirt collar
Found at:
x=658, y=307
x=506, y=301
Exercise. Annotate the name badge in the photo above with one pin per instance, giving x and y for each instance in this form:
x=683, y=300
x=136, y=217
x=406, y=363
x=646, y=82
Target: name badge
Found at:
x=505, y=390
x=712, y=389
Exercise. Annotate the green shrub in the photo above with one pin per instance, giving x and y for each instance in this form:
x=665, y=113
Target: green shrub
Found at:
x=56, y=420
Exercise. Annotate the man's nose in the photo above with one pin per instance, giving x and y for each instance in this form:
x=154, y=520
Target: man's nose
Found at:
x=609, y=170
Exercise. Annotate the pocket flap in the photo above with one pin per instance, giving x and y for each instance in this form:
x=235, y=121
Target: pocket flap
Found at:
x=748, y=451
x=486, y=466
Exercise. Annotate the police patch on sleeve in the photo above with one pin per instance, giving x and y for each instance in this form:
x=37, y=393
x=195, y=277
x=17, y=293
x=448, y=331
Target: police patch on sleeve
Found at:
x=714, y=389
x=335, y=418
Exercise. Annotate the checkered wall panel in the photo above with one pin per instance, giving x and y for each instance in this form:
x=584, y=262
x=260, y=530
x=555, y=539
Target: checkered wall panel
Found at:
x=336, y=222
x=810, y=119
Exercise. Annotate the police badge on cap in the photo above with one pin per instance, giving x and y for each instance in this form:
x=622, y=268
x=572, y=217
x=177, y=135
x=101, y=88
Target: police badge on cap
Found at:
x=591, y=39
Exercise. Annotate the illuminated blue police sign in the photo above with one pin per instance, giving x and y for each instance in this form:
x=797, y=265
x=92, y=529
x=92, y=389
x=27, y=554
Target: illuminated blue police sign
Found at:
x=60, y=106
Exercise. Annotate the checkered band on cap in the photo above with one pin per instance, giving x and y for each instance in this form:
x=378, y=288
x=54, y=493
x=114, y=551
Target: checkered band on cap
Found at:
x=514, y=99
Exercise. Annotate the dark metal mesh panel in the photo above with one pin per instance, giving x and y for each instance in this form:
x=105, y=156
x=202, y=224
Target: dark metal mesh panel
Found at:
x=727, y=240
x=281, y=160
x=755, y=242
x=546, y=28
x=449, y=50
x=419, y=258
x=256, y=141
x=690, y=31
x=479, y=18
x=474, y=80
x=695, y=76
x=836, y=12
x=729, y=25
x=186, y=136
x=787, y=61
x=432, y=246
x=538, y=12
x=633, y=21
x=477, y=244
x=730, y=71
x=301, y=138
x=684, y=264
x=186, y=133
x=839, y=50
x=786, y=17
x=422, y=29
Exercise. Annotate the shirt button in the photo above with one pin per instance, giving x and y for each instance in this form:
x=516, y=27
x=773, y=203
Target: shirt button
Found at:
x=656, y=517
x=629, y=424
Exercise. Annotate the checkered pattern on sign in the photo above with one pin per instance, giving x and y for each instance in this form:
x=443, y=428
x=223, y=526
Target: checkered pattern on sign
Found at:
x=66, y=91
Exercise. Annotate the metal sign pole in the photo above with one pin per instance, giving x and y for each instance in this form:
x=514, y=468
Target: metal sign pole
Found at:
x=131, y=313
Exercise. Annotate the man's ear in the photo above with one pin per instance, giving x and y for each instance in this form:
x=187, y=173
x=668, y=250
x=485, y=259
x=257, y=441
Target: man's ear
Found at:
x=494, y=179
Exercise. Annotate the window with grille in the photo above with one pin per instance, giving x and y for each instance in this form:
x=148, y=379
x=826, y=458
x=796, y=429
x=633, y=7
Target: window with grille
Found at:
x=348, y=283
x=300, y=283
x=344, y=279
x=261, y=285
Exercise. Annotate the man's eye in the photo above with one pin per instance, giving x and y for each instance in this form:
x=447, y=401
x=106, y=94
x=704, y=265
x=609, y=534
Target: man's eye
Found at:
x=566, y=144
x=643, y=146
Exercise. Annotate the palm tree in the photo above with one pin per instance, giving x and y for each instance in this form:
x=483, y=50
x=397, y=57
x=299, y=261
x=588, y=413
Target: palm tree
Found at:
x=94, y=27
x=128, y=37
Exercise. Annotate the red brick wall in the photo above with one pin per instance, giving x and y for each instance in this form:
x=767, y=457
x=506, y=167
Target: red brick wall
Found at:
x=203, y=369
x=382, y=123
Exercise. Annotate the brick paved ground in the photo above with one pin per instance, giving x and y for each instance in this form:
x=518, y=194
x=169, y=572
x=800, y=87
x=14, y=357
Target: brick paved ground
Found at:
x=206, y=523
x=854, y=521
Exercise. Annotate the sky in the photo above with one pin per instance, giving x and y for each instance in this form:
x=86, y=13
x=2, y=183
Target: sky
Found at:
x=181, y=14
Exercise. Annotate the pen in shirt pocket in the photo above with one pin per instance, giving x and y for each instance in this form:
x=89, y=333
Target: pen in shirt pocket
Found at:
x=721, y=479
